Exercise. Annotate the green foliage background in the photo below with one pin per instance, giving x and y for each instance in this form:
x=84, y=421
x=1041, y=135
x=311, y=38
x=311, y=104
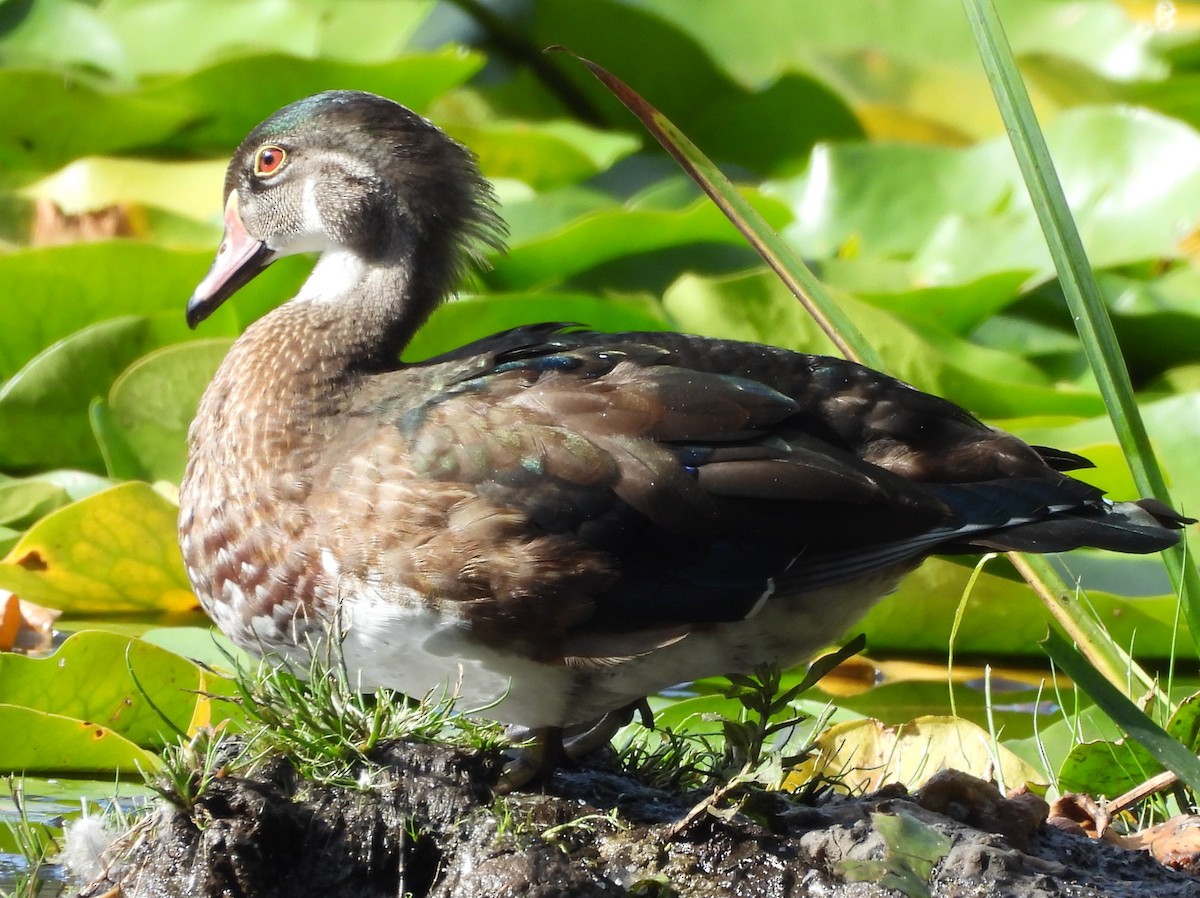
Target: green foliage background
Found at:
x=865, y=130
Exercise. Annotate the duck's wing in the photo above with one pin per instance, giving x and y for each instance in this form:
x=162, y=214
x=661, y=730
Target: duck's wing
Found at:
x=679, y=480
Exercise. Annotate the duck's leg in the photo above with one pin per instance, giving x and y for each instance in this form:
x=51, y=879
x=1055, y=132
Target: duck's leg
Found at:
x=534, y=762
x=596, y=735
x=549, y=746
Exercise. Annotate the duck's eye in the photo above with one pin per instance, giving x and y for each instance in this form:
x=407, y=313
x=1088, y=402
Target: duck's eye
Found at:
x=268, y=160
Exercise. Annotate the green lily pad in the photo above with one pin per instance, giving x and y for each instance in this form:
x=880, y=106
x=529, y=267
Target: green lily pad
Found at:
x=225, y=100
x=155, y=399
x=44, y=406
x=35, y=105
x=51, y=743
x=1132, y=177
x=89, y=679
x=189, y=35
x=471, y=318
x=544, y=155
x=609, y=234
x=758, y=308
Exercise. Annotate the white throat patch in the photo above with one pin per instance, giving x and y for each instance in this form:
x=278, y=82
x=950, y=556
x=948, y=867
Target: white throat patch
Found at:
x=337, y=271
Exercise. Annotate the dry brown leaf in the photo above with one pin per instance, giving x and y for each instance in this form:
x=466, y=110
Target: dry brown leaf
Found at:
x=24, y=626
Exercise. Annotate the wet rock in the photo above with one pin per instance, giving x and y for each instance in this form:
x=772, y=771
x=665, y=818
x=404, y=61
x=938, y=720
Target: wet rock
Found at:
x=428, y=825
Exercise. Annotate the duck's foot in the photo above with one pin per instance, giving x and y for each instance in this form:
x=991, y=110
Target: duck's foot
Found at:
x=582, y=740
x=534, y=762
x=549, y=746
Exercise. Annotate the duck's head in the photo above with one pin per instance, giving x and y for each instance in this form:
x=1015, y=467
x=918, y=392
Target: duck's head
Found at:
x=356, y=174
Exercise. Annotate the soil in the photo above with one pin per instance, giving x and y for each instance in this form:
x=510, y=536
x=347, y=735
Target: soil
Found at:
x=430, y=827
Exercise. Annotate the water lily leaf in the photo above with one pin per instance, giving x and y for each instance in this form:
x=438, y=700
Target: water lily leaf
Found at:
x=34, y=105
x=756, y=307
x=912, y=70
x=609, y=234
x=544, y=155
x=206, y=646
x=82, y=284
x=1004, y=617
x=23, y=501
x=44, y=406
x=155, y=399
x=459, y=322
x=730, y=122
x=1106, y=768
x=51, y=743
x=190, y=35
x=88, y=678
x=114, y=551
x=1184, y=724
x=957, y=308
x=120, y=461
x=61, y=35
x=913, y=849
x=227, y=99
x=862, y=755
x=190, y=189
x=1132, y=178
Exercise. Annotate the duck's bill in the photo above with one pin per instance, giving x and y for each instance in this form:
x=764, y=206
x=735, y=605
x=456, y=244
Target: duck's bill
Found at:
x=239, y=259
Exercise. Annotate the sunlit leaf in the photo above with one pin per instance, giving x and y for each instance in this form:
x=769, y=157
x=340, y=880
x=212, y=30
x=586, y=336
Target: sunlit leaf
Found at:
x=65, y=288
x=61, y=34
x=114, y=551
x=916, y=59
x=468, y=319
x=1132, y=177
x=227, y=99
x=732, y=123
x=610, y=234
x=544, y=155
x=1106, y=768
x=23, y=501
x=191, y=189
x=756, y=307
x=88, y=678
x=43, y=408
x=1003, y=617
x=155, y=399
x=51, y=743
x=862, y=755
x=34, y=106
x=188, y=35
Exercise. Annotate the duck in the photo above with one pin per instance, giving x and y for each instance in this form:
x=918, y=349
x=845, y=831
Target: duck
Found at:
x=553, y=522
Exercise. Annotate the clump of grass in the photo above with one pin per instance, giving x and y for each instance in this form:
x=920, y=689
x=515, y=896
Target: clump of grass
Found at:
x=190, y=766
x=671, y=760
x=329, y=728
x=34, y=842
x=320, y=721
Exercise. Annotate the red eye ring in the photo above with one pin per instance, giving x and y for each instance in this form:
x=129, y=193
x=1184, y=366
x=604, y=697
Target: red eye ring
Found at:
x=269, y=159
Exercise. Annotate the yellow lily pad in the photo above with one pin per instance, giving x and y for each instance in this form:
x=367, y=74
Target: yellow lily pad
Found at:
x=862, y=755
x=115, y=551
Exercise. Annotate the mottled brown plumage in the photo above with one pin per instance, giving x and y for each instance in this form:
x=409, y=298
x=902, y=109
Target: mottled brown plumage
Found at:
x=553, y=522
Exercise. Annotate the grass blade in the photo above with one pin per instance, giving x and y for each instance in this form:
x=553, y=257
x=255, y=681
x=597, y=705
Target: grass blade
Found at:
x=778, y=255
x=1171, y=753
x=1078, y=283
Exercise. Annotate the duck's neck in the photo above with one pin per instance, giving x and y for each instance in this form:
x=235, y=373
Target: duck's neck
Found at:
x=362, y=313
x=288, y=377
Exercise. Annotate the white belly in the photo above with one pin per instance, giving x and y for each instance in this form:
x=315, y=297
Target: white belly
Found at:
x=411, y=648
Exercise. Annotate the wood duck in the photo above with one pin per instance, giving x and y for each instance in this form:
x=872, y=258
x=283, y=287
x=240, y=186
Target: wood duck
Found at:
x=554, y=522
